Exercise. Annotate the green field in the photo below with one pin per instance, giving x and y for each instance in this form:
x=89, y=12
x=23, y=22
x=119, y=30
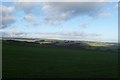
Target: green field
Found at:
x=47, y=62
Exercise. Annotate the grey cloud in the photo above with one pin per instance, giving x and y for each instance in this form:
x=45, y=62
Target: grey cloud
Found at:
x=28, y=7
x=31, y=9
x=32, y=20
x=7, y=16
x=25, y=6
x=56, y=13
x=64, y=11
x=83, y=25
x=14, y=34
x=77, y=34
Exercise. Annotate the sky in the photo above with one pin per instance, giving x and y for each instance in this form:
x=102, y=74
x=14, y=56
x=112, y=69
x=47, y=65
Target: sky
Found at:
x=89, y=21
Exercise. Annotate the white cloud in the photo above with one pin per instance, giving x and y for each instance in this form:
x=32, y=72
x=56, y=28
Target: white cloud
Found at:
x=105, y=14
x=59, y=12
x=116, y=6
x=56, y=13
x=29, y=18
x=7, y=16
x=72, y=35
x=15, y=32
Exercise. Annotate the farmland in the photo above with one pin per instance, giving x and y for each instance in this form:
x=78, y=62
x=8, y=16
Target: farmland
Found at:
x=59, y=39
x=31, y=61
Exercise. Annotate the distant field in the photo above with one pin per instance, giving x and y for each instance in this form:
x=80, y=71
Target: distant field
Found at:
x=24, y=40
x=43, y=62
x=99, y=44
x=94, y=44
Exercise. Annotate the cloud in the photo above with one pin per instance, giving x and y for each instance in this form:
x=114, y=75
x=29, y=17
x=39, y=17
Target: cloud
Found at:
x=32, y=20
x=59, y=12
x=7, y=16
x=83, y=25
x=70, y=35
x=28, y=7
x=116, y=6
x=29, y=18
x=61, y=0
x=13, y=33
x=104, y=14
x=25, y=6
x=31, y=10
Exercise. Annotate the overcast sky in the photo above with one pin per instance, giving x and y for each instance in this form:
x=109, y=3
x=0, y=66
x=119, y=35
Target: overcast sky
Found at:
x=91, y=21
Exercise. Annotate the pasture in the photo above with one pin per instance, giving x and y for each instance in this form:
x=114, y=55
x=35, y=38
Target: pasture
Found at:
x=21, y=61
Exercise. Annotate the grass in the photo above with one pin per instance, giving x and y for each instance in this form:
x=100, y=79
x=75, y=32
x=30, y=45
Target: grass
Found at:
x=43, y=62
x=0, y=59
